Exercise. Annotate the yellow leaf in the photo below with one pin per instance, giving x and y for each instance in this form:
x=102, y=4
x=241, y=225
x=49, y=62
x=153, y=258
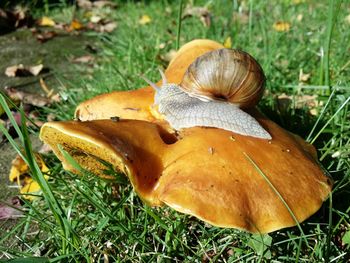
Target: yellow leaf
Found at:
x=145, y=19
x=19, y=172
x=281, y=26
x=75, y=25
x=228, y=42
x=30, y=187
x=304, y=77
x=46, y=21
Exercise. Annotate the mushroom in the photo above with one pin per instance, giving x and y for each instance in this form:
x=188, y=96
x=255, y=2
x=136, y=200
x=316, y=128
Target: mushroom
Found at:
x=223, y=178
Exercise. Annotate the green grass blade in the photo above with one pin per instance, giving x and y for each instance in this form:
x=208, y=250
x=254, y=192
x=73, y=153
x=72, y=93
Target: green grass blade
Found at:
x=7, y=110
x=278, y=194
x=179, y=22
x=320, y=116
x=330, y=119
x=89, y=197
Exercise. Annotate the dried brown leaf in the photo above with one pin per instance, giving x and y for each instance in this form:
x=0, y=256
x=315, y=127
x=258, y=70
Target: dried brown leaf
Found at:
x=101, y=3
x=15, y=18
x=45, y=148
x=28, y=98
x=84, y=59
x=10, y=211
x=102, y=26
x=201, y=12
x=285, y=101
x=241, y=17
x=45, y=36
x=85, y=4
x=22, y=71
x=304, y=77
x=108, y=27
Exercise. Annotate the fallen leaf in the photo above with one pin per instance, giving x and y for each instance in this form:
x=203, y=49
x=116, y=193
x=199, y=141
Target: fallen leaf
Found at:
x=35, y=70
x=95, y=19
x=84, y=59
x=102, y=26
x=162, y=45
x=303, y=77
x=102, y=3
x=28, y=98
x=145, y=19
x=242, y=17
x=55, y=97
x=45, y=148
x=84, y=4
x=45, y=36
x=10, y=211
x=22, y=71
x=228, y=42
x=20, y=173
x=75, y=25
x=201, y=12
x=34, y=120
x=281, y=26
x=11, y=19
x=284, y=102
x=108, y=27
x=51, y=117
x=46, y=21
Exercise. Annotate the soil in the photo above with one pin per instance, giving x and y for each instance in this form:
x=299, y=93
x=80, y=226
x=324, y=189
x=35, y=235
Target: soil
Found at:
x=22, y=47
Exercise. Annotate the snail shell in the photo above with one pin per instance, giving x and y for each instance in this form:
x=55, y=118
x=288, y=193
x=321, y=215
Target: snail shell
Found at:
x=215, y=86
x=225, y=74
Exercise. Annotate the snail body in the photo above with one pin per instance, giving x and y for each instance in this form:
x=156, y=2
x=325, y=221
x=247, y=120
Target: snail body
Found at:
x=214, y=89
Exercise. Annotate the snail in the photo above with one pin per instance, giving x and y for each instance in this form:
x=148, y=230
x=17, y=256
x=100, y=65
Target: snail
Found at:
x=214, y=89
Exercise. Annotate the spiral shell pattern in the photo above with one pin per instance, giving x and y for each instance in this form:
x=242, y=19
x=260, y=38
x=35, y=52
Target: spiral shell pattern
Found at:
x=225, y=74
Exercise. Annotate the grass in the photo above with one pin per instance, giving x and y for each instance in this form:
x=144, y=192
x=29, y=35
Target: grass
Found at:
x=88, y=219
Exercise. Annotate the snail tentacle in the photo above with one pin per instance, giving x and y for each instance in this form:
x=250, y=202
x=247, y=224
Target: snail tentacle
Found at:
x=164, y=80
x=152, y=84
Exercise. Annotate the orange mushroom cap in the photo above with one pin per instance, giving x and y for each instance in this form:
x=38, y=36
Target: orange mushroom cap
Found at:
x=223, y=178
